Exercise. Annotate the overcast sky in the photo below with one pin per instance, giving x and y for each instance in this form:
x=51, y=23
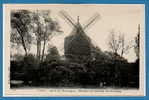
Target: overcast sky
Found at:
x=124, y=18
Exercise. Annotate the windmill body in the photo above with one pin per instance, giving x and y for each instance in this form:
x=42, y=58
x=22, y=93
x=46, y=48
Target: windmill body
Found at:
x=78, y=46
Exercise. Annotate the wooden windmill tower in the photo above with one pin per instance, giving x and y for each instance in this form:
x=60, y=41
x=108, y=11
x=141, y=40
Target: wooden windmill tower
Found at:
x=78, y=46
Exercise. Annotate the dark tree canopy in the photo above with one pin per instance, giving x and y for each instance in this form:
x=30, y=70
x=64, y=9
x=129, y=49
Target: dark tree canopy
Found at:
x=20, y=21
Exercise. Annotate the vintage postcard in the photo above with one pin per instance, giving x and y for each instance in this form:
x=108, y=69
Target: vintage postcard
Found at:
x=74, y=50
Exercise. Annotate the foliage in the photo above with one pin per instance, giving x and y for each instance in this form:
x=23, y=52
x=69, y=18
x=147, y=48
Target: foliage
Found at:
x=18, y=57
x=33, y=28
x=72, y=74
x=52, y=54
x=20, y=21
x=137, y=43
x=44, y=28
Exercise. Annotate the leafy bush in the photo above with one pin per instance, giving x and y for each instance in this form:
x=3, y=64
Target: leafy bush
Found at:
x=30, y=66
x=73, y=74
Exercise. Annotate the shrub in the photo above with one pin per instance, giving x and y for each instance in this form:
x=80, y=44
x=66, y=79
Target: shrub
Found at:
x=30, y=67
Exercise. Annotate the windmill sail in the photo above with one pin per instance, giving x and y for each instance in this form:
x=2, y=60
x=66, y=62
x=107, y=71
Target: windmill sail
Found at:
x=68, y=18
x=92, y=20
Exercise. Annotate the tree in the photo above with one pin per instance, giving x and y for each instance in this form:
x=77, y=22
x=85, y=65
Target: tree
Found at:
x=118, y=46
x=113, y=43
x=124, y=47
x=45, y=28
x=36, y=27
x=51, y=29
x=20, y=21
x=117, y=43
x=137, y=41
x=53, y=53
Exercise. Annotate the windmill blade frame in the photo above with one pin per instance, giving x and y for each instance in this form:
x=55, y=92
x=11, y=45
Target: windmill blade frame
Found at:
x=92, y=21
x=67, y=17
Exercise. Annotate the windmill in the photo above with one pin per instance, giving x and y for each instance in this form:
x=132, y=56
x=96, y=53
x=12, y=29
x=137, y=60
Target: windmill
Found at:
x=78, y=46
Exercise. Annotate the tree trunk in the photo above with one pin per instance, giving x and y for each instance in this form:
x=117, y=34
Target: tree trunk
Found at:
x=43, y=50
x=24, y=46
x=39, y=43
x=122, y=52
x=38, y=49
x=23, y=42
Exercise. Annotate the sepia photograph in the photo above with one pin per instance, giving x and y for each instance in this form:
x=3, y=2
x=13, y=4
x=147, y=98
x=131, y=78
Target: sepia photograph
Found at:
x=74, y=50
